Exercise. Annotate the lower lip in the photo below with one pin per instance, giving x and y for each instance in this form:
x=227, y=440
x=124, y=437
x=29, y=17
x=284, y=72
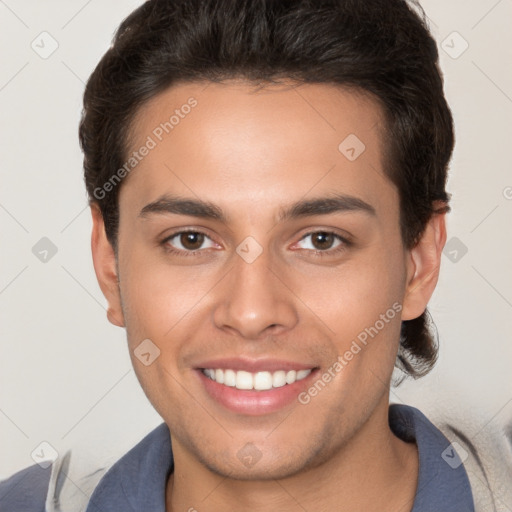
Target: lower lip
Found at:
x=255, y=403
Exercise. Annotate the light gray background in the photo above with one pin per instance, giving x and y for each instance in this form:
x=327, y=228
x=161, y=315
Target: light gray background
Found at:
x=65, y=373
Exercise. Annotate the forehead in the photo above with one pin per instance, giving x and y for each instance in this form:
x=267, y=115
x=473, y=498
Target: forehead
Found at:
x=233, y=140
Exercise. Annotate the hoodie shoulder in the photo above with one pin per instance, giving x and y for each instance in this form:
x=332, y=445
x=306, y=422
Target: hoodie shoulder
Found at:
x=25, y=490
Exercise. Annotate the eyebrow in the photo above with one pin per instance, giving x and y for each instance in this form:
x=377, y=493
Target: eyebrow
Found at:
x=333, y=203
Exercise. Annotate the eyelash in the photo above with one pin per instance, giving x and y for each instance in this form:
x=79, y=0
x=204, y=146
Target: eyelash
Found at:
x=317, y=253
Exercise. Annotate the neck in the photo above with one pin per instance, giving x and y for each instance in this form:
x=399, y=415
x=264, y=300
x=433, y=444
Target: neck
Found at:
x=375, y=470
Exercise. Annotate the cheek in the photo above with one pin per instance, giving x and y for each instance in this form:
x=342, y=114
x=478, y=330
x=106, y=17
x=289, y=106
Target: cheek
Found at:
x=160, y=304
x=353, y=296
x=361, y=304
x=157, y=296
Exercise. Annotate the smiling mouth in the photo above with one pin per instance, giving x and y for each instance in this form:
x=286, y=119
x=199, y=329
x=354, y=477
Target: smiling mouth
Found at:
x=257, y=381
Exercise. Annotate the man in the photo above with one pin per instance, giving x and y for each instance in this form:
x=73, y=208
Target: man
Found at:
x=267, y=186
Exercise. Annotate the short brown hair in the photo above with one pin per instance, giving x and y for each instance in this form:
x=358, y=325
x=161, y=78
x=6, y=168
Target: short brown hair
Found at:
x=380, y=46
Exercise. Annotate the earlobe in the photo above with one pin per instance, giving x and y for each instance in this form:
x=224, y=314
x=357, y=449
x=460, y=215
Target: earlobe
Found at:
x=104, y=261
x=423, y=264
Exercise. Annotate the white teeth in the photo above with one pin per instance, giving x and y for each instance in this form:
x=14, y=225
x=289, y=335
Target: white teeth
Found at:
x=244, y=380
x=302, y=373
x=291, y=377
x=229, y=378
x=219, y=376
x=260, y=381
x=278, y=379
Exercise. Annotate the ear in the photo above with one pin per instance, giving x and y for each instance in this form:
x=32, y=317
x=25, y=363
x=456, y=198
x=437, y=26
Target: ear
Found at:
x=104, y=260
x=423, y=263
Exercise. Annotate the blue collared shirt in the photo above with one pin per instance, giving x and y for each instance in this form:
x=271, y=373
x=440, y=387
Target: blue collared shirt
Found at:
x=137, y=482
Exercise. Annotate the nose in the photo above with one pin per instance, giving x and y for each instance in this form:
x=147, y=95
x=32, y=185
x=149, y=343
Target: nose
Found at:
x=254, y=300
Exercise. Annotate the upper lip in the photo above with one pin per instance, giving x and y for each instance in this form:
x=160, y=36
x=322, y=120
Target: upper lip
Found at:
x=253, y=365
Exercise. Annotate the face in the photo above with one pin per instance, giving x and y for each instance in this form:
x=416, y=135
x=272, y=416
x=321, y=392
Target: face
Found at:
x=259, y=251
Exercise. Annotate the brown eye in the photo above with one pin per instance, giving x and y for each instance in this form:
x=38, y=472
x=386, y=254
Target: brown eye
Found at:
x=322, y=243
x=322, y=240
x=191, y=240
x=188, y=242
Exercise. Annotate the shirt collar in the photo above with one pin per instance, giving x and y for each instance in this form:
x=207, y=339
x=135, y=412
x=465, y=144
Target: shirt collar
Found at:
x=138, y=480
x=443, y=483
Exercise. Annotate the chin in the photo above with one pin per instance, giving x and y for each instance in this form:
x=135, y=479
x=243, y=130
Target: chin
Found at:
x=251, y=464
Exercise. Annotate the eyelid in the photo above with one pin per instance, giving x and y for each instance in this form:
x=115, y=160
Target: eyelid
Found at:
x=181, y=231
x=345, y=241
x=341, y=233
